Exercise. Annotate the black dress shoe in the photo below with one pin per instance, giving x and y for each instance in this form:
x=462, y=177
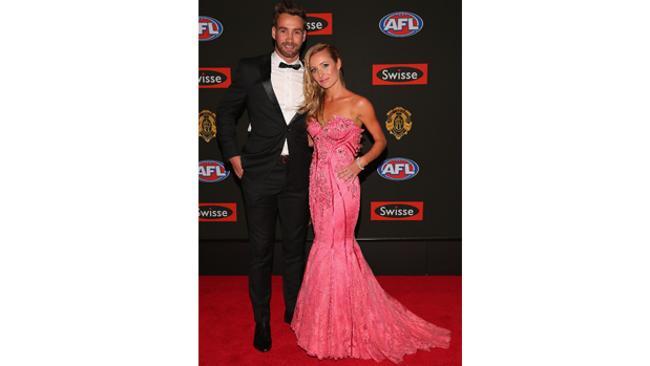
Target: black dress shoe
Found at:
x=262, y=340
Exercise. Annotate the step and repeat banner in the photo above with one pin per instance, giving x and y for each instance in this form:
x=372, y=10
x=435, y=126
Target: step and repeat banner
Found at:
x=404, y=56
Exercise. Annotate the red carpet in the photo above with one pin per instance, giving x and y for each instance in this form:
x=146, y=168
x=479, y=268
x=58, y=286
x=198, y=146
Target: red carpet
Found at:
x=226, y=322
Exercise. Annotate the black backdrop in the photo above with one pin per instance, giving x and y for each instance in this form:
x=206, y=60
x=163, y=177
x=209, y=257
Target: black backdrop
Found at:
x=431, y=147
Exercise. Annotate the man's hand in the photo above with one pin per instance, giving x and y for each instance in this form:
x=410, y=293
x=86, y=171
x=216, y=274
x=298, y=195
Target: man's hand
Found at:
x=235, y=161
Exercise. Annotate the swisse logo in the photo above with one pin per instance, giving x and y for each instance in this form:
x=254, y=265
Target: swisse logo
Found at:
x=214, y=77
x=212, y=171
x=401, y=24
x=397, y=211
x=398, y=169
x=218, y=212
x=319, y=24
x=400, y=74
x=209, y=28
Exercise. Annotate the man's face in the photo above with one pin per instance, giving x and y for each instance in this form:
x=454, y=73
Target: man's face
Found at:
x=289, y=35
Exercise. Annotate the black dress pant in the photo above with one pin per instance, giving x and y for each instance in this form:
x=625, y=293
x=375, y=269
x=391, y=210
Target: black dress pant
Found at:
x=267, y=200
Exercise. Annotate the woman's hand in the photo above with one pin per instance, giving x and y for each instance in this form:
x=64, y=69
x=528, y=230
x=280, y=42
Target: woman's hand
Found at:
x=349, y=172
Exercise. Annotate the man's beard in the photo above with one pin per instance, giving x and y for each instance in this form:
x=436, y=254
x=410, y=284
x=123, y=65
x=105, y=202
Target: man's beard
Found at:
x=288, y=53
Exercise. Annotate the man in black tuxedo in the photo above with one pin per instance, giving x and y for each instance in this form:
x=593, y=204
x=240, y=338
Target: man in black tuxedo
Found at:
x=274, y=163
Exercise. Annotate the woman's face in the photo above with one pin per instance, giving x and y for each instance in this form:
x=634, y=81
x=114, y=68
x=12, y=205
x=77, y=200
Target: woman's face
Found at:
x=323, y=69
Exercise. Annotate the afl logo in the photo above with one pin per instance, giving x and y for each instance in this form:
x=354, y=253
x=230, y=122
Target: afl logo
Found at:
x=212, y=171
x=401, y=24
x=209, y=28
x=398, y=169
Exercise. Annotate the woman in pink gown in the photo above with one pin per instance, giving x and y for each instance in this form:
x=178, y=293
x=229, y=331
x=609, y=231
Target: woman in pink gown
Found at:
x=342, y=311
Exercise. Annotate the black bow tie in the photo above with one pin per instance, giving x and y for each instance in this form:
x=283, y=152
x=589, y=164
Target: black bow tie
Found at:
x=284, y=66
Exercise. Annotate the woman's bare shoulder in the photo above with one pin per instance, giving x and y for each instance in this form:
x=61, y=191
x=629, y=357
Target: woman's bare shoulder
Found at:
x=357, y=101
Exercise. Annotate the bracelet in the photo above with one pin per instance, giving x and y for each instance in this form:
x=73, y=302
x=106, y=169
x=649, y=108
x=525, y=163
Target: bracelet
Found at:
x=358, y=163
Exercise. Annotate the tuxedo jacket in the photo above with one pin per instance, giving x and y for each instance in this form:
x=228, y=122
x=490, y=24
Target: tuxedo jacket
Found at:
x=251, y=90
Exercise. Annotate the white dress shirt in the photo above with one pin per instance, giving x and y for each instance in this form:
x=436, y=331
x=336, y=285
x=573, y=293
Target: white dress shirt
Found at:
x=287, y=86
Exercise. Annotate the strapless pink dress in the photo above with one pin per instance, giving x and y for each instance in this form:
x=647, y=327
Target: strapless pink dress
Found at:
x=342, y=311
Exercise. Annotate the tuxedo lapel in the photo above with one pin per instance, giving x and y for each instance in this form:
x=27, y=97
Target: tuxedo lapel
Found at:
x=268, y=87
x=295, y=117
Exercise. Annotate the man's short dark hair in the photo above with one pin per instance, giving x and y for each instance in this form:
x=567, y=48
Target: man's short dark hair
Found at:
x=288, y=7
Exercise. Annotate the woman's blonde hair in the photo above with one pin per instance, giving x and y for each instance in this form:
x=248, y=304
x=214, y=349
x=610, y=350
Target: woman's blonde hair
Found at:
x=314, y=93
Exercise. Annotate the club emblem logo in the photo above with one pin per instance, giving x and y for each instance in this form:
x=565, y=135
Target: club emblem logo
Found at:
x=398, y=122
x=207, y=125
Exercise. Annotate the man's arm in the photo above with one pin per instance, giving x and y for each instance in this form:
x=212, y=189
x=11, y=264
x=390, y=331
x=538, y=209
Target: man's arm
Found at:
x=230, y=109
